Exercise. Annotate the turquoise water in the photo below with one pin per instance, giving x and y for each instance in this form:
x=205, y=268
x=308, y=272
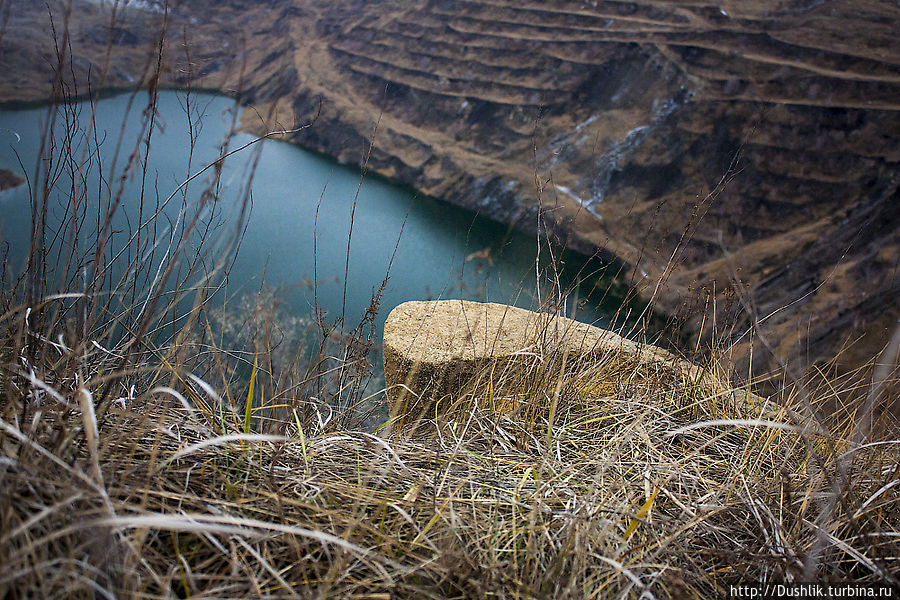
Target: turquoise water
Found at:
x=443, y=252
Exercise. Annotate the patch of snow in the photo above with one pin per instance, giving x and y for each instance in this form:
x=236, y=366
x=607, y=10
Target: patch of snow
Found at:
x=581, y=126
x=568, y=193
x=621, y=149
x=148, y=5
x=635, y=132
x=588, y=205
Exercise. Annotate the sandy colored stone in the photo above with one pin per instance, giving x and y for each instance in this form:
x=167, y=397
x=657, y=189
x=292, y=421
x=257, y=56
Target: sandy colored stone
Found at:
x=435, y=350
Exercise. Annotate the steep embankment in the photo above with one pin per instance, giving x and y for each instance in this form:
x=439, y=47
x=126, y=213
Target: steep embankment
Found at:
x=614, y=119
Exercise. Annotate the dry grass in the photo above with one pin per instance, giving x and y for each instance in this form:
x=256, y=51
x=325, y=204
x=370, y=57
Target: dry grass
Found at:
x=634, y=485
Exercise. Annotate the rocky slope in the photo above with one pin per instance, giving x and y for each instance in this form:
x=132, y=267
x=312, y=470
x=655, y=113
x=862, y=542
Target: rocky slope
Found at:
x=739, y=158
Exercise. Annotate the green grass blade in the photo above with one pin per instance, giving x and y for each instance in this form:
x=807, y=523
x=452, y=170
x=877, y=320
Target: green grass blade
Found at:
x=248, y=409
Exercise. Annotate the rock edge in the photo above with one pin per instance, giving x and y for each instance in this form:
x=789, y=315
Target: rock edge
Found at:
x=435, y=351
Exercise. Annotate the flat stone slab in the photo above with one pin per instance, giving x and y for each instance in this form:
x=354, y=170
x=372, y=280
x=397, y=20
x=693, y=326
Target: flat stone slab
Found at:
x=434, y=351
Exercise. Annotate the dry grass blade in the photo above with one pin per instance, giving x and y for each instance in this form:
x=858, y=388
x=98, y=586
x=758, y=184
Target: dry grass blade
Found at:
x=89, y=421
x=221, y=441
x=199, y=523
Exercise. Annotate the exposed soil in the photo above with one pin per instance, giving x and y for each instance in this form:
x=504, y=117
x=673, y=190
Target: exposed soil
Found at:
x=739, y=158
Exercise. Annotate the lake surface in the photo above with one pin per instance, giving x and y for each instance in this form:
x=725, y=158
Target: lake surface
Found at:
x=443, y=252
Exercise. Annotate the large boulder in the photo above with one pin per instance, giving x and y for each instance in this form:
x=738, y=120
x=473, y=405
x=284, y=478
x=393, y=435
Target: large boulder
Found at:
x=436, y=351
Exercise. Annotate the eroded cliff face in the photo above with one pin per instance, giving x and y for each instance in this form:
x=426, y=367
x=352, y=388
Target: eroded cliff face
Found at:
x=738, y=157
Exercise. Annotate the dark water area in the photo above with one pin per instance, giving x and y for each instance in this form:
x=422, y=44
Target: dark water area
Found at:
x=300, y=211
